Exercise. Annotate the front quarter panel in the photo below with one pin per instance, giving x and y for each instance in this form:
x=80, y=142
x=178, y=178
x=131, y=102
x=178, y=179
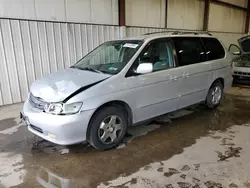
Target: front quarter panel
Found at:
x=111, y=89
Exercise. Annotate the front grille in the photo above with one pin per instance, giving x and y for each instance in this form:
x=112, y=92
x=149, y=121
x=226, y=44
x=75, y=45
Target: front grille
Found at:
x=37, y=102
x=242, y=73
x=36, y=128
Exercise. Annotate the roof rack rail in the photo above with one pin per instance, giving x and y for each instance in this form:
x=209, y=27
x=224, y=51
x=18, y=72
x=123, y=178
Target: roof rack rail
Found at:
x=157, y=32
x=180, y=32
x=190, y=32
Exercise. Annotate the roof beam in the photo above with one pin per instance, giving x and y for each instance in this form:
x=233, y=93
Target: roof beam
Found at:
x=228, y=5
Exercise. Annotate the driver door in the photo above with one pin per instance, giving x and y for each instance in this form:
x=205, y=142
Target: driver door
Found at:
x=155, y=93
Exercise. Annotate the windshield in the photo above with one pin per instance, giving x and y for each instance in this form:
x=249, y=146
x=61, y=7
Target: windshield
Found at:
x=110, y=57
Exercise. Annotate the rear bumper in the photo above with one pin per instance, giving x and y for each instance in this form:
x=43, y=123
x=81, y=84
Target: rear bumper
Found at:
x=62, y=130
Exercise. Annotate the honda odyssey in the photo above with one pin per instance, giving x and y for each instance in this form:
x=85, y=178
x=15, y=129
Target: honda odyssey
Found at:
x=124, y=82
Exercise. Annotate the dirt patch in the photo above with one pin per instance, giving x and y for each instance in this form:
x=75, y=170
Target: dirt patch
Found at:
x=195, y=180
x=147, y=167
x=183, y=176
x=229, y=153
x=133, y=181
x=171, y=171
x=233, y=185
x=216, y=137
x=197, y=166
x=185, y=168
x=184, y=184
x=169, y=186
x=211, y=184
x=7, y=123
x=160, y=169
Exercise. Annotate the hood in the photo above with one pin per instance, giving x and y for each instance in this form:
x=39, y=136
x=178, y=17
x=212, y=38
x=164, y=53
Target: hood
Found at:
x=59, y=85
x=242, y=61
x=244, y=43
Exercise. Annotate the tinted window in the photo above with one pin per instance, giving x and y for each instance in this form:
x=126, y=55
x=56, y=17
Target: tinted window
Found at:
x=189, y=50
x=159, y=53
x=214, y=49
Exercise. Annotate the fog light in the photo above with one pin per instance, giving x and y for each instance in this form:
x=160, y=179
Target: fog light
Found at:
x=51, y=135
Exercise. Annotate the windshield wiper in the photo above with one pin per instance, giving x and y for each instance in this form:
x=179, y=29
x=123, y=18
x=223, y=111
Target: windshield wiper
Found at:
x=88, y=69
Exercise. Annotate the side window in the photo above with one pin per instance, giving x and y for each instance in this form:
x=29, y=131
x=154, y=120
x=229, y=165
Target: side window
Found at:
x=162, y=57
x=189, y=50
x=159, y=53
x=214, y=49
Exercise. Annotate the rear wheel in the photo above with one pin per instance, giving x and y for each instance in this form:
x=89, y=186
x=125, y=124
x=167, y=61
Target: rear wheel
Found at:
x=214, y=95
x=108, y=127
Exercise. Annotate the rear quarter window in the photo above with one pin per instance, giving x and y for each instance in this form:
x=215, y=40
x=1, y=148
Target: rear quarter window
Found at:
x=214, y=49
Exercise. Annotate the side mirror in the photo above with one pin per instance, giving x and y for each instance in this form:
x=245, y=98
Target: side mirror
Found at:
x=144, y=68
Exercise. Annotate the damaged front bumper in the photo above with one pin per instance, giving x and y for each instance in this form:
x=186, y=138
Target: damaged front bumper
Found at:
x=58, y=129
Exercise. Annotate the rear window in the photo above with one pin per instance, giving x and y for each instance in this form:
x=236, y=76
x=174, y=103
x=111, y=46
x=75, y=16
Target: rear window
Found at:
x=214, y=49
x=189, y=50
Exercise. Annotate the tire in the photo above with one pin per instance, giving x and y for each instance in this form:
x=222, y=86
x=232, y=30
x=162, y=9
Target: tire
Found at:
x=212, y=102
x=105, y=124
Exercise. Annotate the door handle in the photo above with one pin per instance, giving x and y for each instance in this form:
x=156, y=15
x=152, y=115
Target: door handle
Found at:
x=173, y=78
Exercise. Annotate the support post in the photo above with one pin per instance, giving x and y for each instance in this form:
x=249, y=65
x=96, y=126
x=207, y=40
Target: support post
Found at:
x=247, y=17
x=206, y=15
x=122, y=13
x=166, y=14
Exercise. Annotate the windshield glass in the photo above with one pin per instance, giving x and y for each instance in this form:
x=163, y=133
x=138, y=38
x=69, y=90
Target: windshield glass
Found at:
x=110, y=57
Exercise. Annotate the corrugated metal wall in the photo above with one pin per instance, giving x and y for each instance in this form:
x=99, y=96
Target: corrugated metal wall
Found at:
x=147, y=13
x=228, y=38
x=31, y=49
x=82, y=11
x=187, y=14
x=226, y=19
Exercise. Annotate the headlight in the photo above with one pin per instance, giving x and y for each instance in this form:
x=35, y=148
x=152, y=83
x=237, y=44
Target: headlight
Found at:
x=63, y=109
x=72, y=108
x=54, y=108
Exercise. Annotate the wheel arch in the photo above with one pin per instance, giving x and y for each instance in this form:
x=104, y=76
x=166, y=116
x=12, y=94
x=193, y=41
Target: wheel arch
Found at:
x=220, y=79
x=117, y=103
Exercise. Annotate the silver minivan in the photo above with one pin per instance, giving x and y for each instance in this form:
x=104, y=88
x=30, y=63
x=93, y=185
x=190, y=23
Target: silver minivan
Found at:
x=124, y=82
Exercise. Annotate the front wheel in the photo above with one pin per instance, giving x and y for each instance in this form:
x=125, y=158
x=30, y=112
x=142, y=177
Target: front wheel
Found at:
x=214, y=95
x=108, y=127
